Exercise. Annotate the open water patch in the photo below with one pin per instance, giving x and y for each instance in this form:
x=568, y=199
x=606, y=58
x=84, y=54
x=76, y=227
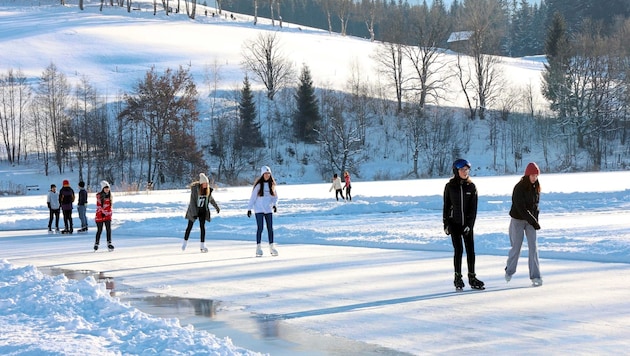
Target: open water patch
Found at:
x=252, y=331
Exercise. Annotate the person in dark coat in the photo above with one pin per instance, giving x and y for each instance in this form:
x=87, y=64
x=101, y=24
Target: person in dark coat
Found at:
x=524, y=221
x=198, y=208
x=82, y=206
x=66, y=198
x=459, y=215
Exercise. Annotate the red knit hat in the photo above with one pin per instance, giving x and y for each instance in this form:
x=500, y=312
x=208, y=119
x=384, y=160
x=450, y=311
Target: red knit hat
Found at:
x=66, y=182
x=532, y=168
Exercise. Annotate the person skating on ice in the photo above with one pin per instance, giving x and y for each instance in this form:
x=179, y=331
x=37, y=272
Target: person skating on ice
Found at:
x=66, y=198
x=82, y=206
x=263, y=201
x=199, y=208
x=336, y=185
x=52, y=201
x=524, y=221
x=459, y=215
x=104, y=206
x=347, y=186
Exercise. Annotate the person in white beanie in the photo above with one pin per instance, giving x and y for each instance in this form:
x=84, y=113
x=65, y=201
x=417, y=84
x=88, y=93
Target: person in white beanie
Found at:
x=336, y=185
x=263, y=201
x=104, y=204
x=198, y=208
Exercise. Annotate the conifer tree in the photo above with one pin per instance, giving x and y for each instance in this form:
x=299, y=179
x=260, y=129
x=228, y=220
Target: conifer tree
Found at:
x=249, y=130
x=306, y=117
x=555, y=78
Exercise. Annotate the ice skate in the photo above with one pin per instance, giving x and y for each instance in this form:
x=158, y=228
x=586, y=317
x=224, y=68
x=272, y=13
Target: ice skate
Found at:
x=537, y=282
x=95, y=247
x=474, y=282
x=458, y=282
x=272, y=249
x=184, y=245
x=259, y=252
x=110, y=247
x=203, y=248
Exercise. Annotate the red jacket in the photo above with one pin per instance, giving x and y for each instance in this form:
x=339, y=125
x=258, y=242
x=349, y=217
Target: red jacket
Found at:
x=103, y=207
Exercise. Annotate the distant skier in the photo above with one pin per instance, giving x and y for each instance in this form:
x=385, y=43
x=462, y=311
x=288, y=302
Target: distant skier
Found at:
x=104, y=204
x=336, y=185
x=66, y=198
x=459, y=215
x=52, y=201
x=263, y=200
x=524, y=220
x=199, y=208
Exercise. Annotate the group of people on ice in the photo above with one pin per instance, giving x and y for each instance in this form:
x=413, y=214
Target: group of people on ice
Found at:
x=459, y=215
x=460, y=212
x=64, y=199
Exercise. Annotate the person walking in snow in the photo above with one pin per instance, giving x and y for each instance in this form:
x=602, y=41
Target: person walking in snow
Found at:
x=263, y=201
x=198, y=208
x=82, y=206
x=66, y=198
x=52, y=201
x=459, y=215
x=524, y=221
x=104, y=205
x=336, y=185
x=347, y=187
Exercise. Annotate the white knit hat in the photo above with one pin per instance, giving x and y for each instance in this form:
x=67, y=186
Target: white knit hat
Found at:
x=104, y=184
x=265, y=169
x=203, y=178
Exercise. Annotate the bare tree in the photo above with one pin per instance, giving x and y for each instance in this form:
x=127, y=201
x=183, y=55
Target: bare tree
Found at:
x=484, y=22
x=15, y=96
x=52, y=95
x=264, y=58
x=343, y=9
x=389, y=58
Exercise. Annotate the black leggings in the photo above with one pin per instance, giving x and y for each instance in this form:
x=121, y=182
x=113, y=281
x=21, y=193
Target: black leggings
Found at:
x=468, y=241
x=67, y=219
x=54, y=213
x=338, y=192
x=348, y=197
x=99, y=229
x=202, y=226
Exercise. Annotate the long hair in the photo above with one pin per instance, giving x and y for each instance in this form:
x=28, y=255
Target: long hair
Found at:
x=529, y=185
x=271, y=182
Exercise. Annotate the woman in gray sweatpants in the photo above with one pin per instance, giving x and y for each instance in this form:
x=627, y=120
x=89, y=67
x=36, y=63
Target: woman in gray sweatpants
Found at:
x=524, y=221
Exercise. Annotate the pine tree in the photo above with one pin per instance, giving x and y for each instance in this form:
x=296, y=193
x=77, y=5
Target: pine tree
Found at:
x=249, y=130
x=306, y=117
x=555, y=79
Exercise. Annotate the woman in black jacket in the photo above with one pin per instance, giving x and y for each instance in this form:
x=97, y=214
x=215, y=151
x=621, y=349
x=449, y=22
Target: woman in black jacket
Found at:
x=524, y=221
x=460, y=212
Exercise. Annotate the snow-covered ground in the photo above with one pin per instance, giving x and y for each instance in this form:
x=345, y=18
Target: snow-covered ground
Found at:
x=377, y=270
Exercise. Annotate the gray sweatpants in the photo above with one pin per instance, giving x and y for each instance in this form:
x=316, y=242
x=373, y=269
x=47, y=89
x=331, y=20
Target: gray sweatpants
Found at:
x=518, y=228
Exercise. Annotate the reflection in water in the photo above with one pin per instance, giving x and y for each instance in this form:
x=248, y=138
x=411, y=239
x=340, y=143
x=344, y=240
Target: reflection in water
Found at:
x=262, y=333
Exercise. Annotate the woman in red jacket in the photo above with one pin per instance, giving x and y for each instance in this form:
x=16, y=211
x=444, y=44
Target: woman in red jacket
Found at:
x=104, y=215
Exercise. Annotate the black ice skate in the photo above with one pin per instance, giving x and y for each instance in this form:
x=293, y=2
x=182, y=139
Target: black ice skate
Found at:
x=474, y=282
x=458, y=282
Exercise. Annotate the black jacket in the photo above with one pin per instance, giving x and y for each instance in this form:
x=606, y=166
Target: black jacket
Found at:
x=460, y=203
x=525, y=198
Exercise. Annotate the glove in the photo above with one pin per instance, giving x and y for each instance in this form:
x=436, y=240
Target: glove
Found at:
x=466, y=230
x=249, y=213
x=48, y=205
x=274, y=209
x=218, y=210
x=536, y=225
x=447, y=230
